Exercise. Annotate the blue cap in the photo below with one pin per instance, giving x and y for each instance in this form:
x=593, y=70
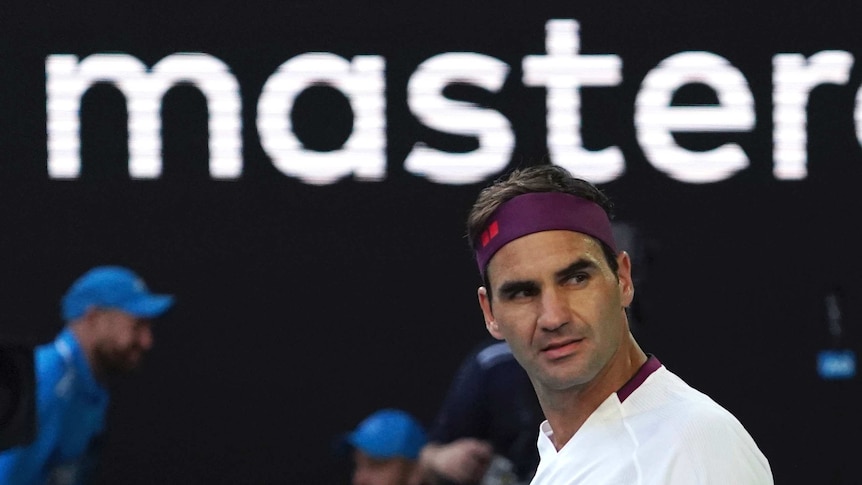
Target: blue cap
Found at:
x=388, y=433
x=113, y=287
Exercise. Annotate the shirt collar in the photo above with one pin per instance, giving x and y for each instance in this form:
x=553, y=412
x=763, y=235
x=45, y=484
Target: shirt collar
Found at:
x=71, y=351
x=651, y=365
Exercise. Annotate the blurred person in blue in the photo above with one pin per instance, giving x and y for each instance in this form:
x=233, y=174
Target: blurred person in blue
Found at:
x=385, y=448
x=107, y=313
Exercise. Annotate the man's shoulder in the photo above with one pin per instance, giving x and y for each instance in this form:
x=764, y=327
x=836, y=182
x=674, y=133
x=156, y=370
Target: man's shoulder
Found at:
x=491, y=354
x=51, y=366
x=681, y=406
x=487, y=363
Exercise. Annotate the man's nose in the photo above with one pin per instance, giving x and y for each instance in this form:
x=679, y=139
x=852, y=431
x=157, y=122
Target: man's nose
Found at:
x=554, y=311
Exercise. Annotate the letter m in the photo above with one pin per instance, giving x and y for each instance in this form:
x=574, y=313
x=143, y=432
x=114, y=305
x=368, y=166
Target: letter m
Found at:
x=67, y=80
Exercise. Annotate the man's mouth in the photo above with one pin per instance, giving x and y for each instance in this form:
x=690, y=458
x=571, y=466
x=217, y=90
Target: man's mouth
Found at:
x=561, y=348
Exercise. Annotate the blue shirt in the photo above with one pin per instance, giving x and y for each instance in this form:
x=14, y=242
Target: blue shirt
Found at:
x=70, y=417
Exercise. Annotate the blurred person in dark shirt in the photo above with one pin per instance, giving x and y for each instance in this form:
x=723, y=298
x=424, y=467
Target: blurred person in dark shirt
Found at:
x=485, y=431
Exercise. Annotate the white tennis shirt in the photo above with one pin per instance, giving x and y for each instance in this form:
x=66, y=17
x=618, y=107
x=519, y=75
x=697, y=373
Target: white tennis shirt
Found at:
x=657, y=430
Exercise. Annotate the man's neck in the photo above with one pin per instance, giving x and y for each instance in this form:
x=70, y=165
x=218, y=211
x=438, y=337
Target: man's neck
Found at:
x=87, y=343
x=567, y=410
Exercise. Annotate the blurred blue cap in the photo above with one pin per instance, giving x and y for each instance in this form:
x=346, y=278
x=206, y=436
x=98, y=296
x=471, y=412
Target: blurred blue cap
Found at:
x=113, y=287
x=388, y=433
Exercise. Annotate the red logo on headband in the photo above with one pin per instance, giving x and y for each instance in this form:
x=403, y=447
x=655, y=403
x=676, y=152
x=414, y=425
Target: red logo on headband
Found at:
x=489, y=233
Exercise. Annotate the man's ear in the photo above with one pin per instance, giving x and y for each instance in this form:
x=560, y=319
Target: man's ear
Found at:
x=490, y=322
x=91, y=313
x=627, y=287
x=94, y=317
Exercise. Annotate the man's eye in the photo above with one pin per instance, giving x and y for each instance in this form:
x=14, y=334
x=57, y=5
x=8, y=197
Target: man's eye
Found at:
x=521, y=292
x=578, y=278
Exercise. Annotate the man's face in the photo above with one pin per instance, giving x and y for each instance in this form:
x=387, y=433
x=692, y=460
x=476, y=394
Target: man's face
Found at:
x=559, y=305
x=375, y=471
x=122, y=341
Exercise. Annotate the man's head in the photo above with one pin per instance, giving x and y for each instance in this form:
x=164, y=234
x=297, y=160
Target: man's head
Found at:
x=540, y=179
x=110, y=310
x=555, y=286
x=386, y=448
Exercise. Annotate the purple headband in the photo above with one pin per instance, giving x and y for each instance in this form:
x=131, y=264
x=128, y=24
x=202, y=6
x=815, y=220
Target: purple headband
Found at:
x=537, y=212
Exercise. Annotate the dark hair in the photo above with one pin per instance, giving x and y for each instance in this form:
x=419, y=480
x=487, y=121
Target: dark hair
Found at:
x=537, y=178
